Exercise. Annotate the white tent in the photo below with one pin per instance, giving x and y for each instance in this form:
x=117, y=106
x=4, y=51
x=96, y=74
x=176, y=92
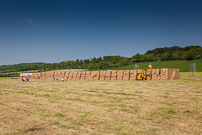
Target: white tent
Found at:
x=25, y=74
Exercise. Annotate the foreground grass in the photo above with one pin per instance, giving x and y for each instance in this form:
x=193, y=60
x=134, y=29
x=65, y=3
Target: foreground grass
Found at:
x=100, y=107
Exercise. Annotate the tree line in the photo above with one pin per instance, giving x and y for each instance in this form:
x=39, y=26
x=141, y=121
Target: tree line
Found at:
x=157, y=54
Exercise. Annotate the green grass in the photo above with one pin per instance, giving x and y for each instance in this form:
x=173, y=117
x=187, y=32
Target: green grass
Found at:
x=8, y=77
x=183, y=65
x=188, y=75
x=59, y=114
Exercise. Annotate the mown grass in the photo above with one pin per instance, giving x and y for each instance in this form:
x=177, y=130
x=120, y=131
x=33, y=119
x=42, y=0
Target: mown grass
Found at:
x=100, y=107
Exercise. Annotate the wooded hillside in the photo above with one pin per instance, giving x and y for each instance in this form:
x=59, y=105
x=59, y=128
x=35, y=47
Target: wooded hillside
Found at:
x=106, y=62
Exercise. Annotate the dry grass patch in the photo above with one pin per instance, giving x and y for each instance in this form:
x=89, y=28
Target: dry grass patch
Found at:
x=100, y=107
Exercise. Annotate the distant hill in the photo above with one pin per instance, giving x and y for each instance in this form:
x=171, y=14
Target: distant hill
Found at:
x=160, y=57
x=21, y=67
x=177, y=53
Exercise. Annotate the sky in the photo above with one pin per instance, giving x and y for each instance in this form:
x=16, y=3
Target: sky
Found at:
x=53, y=31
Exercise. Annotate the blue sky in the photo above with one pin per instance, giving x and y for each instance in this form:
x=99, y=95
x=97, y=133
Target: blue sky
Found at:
x=60, y=30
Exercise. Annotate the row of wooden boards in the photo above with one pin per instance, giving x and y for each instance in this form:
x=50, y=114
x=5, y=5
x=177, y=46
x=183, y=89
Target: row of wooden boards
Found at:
x=151, y=74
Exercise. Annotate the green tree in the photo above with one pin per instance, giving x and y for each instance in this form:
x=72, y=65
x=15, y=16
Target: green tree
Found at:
x=175, y=56
x=98, y=60
x=137, y=57
x=91, y=66
x=119, y=64
x=104, y=65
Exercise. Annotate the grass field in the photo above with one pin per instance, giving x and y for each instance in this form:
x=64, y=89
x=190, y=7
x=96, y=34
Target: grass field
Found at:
x=183, y=65
x=100, y=107
x=8, y=77
x=189, y=75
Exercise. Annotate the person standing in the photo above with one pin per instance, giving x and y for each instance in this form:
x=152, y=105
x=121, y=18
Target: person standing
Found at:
x=53, y=78
x=28, y=79
x=159, y=77
x=57, y=78
x=65, y=78
x=62, y=79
